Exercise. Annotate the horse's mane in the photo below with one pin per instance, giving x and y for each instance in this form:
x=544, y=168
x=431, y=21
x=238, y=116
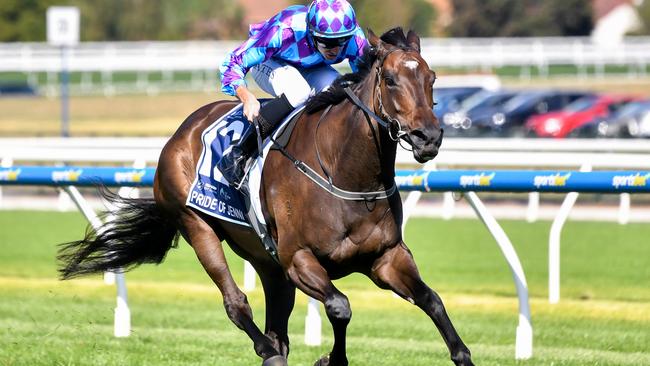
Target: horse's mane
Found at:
x=335, y=93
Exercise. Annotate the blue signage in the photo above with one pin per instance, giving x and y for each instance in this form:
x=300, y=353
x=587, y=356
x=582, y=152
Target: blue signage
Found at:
x=524, y=181
x=407, y=180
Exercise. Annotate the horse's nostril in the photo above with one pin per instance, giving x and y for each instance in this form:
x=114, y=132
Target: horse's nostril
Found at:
x=420, y=135
x=424, y=137
x=439, y=139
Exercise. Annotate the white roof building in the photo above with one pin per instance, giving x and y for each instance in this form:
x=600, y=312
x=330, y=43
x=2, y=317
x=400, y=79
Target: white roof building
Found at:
x=614, y=19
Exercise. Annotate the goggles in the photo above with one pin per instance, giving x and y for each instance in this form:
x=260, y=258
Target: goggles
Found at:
x=331, y=42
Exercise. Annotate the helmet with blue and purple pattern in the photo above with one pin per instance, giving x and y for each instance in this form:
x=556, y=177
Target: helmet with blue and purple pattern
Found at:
x=331, y=19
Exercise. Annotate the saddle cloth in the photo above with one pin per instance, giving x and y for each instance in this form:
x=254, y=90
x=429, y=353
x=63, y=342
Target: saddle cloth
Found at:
x=211, y=194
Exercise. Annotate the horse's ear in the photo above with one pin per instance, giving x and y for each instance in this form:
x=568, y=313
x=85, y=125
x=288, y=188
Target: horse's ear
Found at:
x=377, y=44
x=413, y=40
x=373, y=39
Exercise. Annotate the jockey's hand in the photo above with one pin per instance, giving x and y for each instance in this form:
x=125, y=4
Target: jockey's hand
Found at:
x=251, y=109
x=251, y=104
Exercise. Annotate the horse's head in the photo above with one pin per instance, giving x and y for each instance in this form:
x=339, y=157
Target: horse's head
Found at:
x=404, y=91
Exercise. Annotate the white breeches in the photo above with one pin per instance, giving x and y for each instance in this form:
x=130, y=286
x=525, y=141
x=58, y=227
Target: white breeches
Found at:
x=276, y=77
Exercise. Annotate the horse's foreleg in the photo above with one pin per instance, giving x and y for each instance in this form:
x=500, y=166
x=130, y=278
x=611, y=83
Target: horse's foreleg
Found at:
x=310, y=277
x=279, y=294
x=396, y=270
x=209, y=251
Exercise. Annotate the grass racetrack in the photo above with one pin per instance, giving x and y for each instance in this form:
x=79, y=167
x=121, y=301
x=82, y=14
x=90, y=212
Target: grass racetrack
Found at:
x=178, y=319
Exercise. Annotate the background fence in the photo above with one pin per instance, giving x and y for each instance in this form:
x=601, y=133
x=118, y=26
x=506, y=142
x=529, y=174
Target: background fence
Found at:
x=120, y=67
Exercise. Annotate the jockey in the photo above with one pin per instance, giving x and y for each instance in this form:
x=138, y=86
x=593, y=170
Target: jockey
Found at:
x=289, y=57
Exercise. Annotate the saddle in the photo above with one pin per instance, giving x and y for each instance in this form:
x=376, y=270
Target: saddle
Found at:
x=212, y=195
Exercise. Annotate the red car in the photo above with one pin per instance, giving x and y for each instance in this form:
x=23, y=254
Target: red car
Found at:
x=559, y=124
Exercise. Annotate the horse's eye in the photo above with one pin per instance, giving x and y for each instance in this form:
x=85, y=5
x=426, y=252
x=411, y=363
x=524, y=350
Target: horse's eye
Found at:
x=389, y=81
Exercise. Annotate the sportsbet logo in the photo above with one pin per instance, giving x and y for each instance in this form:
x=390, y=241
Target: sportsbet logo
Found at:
x=69, y=175
x=417, y=180
x=633, y=180
x=410, y=180
x=134, y=176
x=9, y=175
x=477, y=180
x=555, y=180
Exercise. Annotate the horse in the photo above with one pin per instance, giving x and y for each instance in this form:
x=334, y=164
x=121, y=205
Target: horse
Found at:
x=351, y=132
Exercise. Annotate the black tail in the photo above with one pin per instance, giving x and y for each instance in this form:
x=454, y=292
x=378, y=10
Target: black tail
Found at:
x=140, y=233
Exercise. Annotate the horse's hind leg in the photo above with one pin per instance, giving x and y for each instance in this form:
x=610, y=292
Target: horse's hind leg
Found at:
x=396, y=270
x=310, y=277
x=209, y=250
x=279, y=295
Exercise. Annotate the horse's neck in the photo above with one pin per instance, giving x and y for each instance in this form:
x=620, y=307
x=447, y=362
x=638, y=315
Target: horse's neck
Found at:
x=362, y=157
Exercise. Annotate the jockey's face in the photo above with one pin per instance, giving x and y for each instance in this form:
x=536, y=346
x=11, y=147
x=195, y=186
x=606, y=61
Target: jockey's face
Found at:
x=330, y=47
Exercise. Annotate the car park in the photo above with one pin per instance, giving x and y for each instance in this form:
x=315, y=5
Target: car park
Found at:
x=561, y=123
x=509, y=119
x=632, y=120
x=449, y=100
x=486, y=101
x=16, y=89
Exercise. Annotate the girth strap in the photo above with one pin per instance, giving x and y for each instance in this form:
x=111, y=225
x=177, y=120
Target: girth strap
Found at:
x=341, y=193
x=330, y=187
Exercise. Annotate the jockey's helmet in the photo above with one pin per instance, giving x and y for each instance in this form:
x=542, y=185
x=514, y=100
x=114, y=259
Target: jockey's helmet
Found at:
x=333, y=19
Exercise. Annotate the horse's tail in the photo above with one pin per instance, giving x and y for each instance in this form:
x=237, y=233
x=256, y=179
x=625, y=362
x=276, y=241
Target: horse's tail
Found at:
x=139, y=233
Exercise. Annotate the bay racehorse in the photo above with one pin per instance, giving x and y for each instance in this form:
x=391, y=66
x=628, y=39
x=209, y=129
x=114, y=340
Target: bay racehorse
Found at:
x=349, y=134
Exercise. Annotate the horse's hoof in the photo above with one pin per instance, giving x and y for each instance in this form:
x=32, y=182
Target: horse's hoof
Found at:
x=325, y=361
x=275, y=361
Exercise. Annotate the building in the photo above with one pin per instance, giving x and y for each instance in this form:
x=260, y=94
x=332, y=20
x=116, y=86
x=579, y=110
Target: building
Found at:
x=613, y=19
x=260, y=10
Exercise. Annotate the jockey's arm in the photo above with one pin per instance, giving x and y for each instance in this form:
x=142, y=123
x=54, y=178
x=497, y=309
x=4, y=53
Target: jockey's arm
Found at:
x=234, y=68
x=251, y=104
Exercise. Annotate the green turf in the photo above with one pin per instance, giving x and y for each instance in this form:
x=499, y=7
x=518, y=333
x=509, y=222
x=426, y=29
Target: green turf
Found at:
x=178, y=318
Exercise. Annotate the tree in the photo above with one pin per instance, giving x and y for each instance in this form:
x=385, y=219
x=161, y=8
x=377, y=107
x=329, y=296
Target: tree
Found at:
x=127, y=20
x=569, y=17
x=382, y=15
x=133, y=20
x=422, y=18
x=644, y=13
x=521, y=18
x=23, y=20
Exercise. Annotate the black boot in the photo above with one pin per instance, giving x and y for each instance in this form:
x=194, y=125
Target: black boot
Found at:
x=233, y=163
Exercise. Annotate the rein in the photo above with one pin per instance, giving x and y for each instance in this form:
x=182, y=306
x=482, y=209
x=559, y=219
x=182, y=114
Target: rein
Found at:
x=387, y=125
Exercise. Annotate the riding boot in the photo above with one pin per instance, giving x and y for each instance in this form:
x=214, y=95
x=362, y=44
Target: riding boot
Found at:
x=271, y=114
x=232, y=164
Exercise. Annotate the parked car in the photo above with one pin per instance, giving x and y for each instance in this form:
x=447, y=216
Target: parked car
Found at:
x=632, y=120
x=510, y=118
x=458, y=122
x=560, y=124
x=16, y=89
x=449, y=99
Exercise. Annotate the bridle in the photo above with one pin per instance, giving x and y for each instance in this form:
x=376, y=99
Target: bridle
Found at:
x=386, y=121
x=390, y=125
x=400, y=132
